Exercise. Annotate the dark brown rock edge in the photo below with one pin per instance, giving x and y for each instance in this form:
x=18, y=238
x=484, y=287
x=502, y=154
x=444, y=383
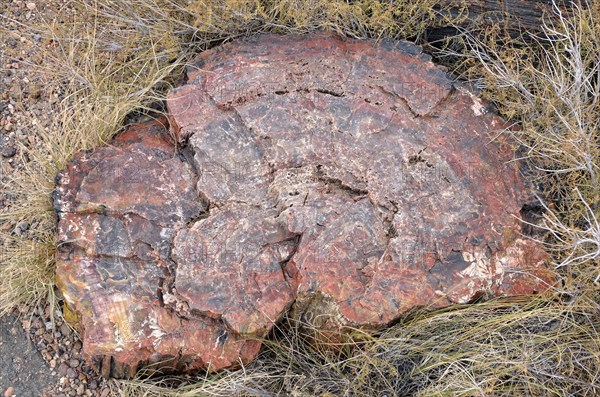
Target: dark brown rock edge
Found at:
x=354, y=181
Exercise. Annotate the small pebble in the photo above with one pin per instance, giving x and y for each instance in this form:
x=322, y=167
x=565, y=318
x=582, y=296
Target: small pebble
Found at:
x=9, y=392
x=7, y=148
x=8, y=151
x=71, y=373
x=62, y=369
x=65, y=329
x=19, y=230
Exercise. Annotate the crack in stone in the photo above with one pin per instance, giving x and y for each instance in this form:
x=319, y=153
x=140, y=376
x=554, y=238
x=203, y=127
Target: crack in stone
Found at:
x=330, y=92
x=402, y=99
x=441, y=101
x=180, y=306
x=355, y=193
x=284, y=263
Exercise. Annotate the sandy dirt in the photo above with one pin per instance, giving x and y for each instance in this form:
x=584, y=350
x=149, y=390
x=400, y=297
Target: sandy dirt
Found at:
x=38, y=356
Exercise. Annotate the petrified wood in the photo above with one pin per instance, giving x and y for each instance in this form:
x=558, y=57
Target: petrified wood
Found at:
x=512, y=14
x=335, y=177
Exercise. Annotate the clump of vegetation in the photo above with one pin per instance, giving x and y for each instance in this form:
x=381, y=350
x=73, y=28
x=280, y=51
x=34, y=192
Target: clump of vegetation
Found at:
x=550, y=83
x=114, y=58
x=360, y=19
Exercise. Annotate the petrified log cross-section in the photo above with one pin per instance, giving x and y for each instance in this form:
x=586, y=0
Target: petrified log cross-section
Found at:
x=346, y=178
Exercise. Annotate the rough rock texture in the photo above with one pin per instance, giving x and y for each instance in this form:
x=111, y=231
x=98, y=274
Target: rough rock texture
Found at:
x=119, y=209
x=353, y=181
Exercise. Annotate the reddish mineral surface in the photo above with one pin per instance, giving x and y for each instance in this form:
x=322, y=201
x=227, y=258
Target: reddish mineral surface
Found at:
x=354, y=181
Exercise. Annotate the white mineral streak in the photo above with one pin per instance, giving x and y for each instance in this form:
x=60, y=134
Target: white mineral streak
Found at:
x=157, y=333
x=118, y=339
x=480, y=265
x=478, y=108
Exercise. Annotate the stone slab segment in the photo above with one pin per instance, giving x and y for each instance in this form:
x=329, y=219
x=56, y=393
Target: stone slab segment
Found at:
x=119, y=208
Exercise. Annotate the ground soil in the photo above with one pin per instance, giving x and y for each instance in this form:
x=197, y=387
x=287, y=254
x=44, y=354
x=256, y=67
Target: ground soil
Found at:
x=22, y=367
x=39, y=354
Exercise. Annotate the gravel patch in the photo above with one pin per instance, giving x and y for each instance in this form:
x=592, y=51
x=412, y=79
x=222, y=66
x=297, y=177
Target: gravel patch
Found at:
x=23, y=371
x=39, y=354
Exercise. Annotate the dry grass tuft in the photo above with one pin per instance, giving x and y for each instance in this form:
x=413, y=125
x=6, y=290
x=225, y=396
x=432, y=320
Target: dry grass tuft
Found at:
x=360, y=19
x=27, y=270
